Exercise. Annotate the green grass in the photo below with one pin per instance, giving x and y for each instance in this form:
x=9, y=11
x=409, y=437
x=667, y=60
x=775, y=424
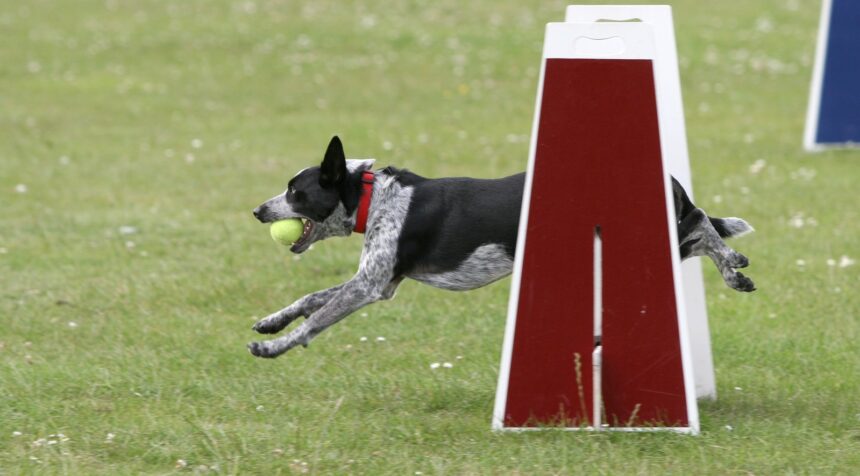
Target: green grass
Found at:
x=100, y=102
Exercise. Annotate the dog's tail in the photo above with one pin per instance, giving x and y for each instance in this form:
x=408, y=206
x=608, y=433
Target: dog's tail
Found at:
x=731, y=226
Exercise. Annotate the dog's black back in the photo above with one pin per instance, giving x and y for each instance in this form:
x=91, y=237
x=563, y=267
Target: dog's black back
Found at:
x=451, y=233
x=450, y=218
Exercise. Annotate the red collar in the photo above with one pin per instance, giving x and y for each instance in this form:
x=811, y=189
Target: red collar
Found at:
x=364, y=201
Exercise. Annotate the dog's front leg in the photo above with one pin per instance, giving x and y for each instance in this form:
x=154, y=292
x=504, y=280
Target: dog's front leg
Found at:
x=352, y=295
x=303, y=307
x=374, y=281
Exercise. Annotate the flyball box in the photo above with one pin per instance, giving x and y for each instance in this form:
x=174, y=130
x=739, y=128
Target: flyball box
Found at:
x=597, y=336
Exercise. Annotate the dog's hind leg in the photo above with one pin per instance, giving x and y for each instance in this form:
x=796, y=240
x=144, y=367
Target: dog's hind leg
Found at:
x=307, y=305
x=698, y=237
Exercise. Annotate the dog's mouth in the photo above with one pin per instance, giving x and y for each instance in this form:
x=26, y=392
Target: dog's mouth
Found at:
x=305, y=240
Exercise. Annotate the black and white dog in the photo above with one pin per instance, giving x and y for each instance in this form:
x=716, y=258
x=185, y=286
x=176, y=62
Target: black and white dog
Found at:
x=451, y=233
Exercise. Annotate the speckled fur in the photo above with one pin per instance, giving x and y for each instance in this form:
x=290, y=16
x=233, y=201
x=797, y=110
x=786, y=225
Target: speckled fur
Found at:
x=374, y=281
x=703, y=240
x=481, y=261
x=487, y=264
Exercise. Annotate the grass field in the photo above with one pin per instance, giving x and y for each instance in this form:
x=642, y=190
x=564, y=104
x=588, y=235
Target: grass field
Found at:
x=136, y=137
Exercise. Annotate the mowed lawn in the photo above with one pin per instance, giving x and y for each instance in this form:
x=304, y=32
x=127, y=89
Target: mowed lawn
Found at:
x=136, y=137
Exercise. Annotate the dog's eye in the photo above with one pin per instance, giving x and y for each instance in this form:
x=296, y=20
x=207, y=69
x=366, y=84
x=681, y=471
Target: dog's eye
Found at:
x=294, y=196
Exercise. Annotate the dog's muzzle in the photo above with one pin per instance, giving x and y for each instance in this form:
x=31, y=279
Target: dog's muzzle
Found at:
x=260, y=214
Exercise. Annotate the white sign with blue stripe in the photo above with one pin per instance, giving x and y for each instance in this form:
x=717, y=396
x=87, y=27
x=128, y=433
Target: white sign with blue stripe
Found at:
x=833, y=118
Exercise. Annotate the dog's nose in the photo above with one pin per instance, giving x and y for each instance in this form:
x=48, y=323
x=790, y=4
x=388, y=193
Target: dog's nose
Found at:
x=257, y=213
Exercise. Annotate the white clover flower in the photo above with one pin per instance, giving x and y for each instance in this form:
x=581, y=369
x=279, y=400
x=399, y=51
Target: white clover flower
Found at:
x=799, y=221
x=764, y=24
x=368, y=21
x=435, y=365
x=803, y=174
x=757, y=166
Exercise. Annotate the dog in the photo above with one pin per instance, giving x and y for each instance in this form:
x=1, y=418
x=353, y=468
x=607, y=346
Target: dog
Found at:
x=451, y=233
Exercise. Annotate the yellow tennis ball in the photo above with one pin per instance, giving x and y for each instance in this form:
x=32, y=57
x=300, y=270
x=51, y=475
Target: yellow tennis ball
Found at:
x=286, y=232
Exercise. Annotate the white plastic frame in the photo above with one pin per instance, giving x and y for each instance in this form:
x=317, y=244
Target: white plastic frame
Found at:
x=813, y=111
x=676, y=159
x=639, y=43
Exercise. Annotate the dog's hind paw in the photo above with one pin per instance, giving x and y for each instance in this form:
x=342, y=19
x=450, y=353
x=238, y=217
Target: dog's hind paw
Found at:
x=737, y=260
x=741, y=283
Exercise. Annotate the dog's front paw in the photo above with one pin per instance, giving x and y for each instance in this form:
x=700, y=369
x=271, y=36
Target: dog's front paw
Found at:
x=275, y=347
x=267, y=326
x=260, y=349
x=276, y=322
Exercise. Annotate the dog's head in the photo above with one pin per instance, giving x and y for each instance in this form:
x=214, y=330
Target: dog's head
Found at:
x=324, y=197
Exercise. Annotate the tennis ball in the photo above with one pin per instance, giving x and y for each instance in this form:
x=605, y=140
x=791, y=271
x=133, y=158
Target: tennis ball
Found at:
x=286, y=232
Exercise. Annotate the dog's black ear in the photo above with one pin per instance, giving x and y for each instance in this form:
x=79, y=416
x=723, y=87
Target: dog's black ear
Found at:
x=333, y=168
